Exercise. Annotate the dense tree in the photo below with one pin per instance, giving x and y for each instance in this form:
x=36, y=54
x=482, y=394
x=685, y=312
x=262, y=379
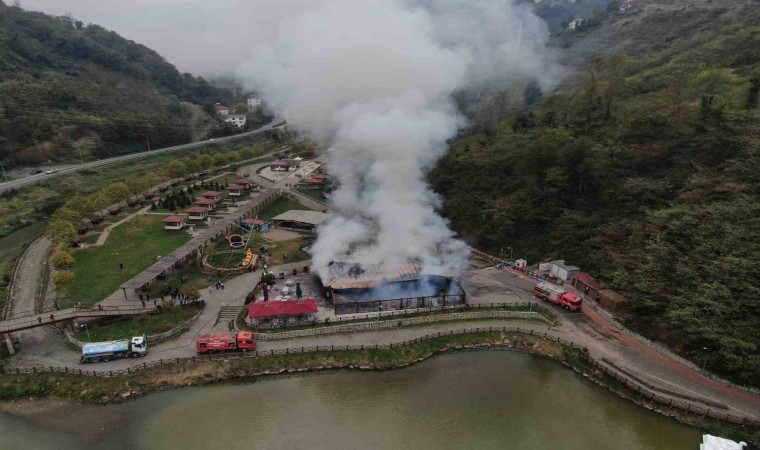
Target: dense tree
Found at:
x=644, y=172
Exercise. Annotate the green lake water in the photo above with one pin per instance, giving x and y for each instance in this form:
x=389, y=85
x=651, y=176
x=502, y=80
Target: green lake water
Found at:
x=472, y=400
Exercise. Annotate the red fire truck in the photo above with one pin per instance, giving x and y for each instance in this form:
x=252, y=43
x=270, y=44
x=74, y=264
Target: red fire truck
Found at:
x=225, y=342
x=558, y=296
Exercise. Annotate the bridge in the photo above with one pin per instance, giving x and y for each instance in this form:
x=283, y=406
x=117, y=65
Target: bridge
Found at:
x=31, y=319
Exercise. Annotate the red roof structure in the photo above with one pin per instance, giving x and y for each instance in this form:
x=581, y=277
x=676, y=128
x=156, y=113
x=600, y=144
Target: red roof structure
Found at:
x=196, y=209
x=220, y=107
x=173, y=219
x=588, y=280
x=314, y=180
x=253, y=221
x=211, y=194
x=235, y=187
x=282, y=163
x=319, y=176
x=260, y=310
x=244, y=181
x=205, y=201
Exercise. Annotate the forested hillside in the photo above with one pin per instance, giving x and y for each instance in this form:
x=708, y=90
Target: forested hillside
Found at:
x=69, y=89
x=644, y=169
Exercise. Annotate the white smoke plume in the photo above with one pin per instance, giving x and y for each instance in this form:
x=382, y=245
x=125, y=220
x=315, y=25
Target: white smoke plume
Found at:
x=374, y=81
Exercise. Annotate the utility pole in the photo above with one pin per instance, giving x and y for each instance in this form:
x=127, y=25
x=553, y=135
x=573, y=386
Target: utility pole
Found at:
x=4, y=175
x=81, y=160
x=147, y=140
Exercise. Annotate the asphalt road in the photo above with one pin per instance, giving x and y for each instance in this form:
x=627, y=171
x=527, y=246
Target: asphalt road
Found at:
x=104, y=162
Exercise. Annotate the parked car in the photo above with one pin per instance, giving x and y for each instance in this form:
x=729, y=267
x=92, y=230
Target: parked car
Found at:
x=35, y=172
x=51, y=171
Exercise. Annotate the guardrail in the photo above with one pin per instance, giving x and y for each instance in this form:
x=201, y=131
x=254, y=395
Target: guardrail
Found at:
x=40, y=319
x=642, y=390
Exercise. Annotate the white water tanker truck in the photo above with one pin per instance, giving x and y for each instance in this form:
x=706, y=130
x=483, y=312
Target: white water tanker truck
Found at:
x=106, y=351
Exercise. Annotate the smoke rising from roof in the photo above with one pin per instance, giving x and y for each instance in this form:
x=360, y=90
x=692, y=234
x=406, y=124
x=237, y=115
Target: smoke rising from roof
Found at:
x=374, y=80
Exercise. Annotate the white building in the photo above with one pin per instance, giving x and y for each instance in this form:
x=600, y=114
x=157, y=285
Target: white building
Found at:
x=236, y=119
x=561, y=271
x=253, y=103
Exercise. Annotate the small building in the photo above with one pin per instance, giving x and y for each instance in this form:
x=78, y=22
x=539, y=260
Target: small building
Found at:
x=610, y=300
x=236, y=119
x=244, y=182
x=235, y=190
x=197, y=213
x=114, y=210
x=558, y=270
x=586, y=284
x=254, y=224
x=315, y=182
x=206, y=203
x=282, y=164
x=300, y=220
x=174, y=222
x=221, y=109
x=281, y=312
x=253, y=103
x=212, y=195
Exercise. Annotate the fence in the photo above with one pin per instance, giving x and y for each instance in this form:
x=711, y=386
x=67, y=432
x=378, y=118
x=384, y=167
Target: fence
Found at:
x=651, y=344
x=31, y=319
x=401, y=314
x=642, y=390
x=405, y=322
x=660, y=348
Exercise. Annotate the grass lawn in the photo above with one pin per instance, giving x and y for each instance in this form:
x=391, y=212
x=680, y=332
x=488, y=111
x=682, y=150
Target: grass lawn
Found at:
x=316, y=194
x=135, y=243
x=127, y=327
x=280, y=206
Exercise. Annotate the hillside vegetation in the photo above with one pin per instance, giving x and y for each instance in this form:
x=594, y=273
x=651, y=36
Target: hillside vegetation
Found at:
x=645, y=171
x=70, y=91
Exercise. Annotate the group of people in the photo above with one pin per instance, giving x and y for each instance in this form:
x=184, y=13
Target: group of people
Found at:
x=219, y=285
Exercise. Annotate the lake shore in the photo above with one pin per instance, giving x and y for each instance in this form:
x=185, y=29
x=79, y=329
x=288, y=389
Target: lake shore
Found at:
x=47, y=391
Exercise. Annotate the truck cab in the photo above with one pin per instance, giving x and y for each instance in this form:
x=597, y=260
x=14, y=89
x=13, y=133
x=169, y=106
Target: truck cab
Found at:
x=245, y=341
x=139, y=346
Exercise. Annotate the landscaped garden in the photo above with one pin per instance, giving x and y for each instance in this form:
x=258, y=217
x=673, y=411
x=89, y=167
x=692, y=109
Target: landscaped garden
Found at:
x=136, y=244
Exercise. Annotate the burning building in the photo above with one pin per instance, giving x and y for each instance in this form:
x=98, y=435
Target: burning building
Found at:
x=356, y=288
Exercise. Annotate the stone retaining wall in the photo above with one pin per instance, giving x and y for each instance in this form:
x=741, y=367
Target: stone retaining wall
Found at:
x=152, y=339
x=385, y=324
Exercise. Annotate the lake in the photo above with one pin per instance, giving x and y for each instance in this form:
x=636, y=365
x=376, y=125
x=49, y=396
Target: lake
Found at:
x=481, y=400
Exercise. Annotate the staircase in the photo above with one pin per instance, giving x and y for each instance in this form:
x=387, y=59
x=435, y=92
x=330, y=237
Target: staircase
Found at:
x=228, y=313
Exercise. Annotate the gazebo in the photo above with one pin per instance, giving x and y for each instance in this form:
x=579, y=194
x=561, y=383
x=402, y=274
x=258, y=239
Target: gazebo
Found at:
x=212, y=195
x=235, y=190
x=287, y=311
x=206, y=203
x=197, y=213
x=244, y=182
x=174, y=222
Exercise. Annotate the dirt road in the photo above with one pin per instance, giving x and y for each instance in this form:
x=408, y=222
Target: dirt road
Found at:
x=38, y=345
